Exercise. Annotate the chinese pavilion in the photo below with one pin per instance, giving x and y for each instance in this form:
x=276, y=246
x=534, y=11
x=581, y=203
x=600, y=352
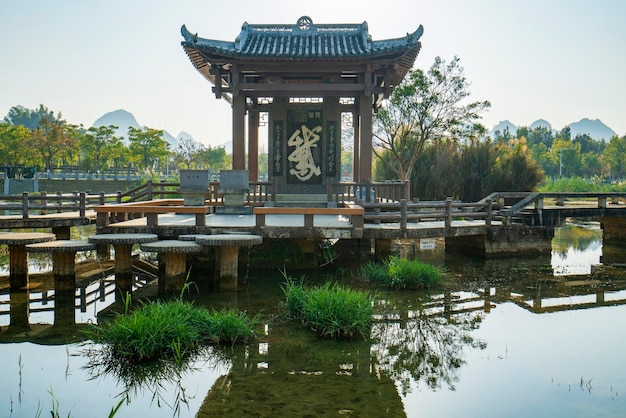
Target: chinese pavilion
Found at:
x=304, y=76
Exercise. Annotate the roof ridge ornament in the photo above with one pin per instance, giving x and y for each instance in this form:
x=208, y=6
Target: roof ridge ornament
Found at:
x=305, y=23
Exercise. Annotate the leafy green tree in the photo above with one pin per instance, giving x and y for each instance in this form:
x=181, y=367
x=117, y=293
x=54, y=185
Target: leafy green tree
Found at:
x=31, y=118
x=514, y=169
x=49, y=139
x=539, y=135
x=12, y=145
x=215, y=159
x=95, y=144
x=615, y=156
x=425, y=107
x=147, y=146
x=566, y=156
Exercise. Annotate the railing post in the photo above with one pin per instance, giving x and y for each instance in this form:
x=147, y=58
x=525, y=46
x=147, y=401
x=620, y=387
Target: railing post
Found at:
x=489, y=210
x=24, y=205
x=118, y=197
x=59, y=202
x=82, y=204
x=273, y=190
x=403, y=214
x=368, y=191
x=329, y=190
x=101, y=199
x=539, y=209
x=407, y=189
x=448, y=212
x=44, y=202
x=149, y=190
x=602, y=202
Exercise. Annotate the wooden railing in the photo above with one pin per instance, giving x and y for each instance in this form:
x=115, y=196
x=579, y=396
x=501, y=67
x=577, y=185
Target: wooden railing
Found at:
x=535, y=202
x=403, y=212
x=346, y=192
x=259, y=193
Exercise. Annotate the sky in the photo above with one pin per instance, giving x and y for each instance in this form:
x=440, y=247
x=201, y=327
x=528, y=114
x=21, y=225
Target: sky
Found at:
x=558, y=60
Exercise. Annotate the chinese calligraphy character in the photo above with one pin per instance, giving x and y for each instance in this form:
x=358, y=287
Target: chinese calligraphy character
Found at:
x=303, y=140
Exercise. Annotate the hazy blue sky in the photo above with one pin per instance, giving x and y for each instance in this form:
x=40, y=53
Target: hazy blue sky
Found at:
x=560, y=60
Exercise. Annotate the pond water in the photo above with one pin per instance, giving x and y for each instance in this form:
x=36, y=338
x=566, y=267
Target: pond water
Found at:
x=531, y=337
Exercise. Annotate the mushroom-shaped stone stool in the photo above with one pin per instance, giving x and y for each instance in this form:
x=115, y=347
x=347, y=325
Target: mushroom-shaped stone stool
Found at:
x=18, y=257
x=228, y=254
x=63, y=261
x=123, y=245
x=174, y=254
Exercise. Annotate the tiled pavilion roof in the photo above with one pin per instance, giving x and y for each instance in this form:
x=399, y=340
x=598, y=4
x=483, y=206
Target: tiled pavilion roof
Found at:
x=304, y=42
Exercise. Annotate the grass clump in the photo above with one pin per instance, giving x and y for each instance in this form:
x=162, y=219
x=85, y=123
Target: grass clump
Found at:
x=331, y=310
x=401, y=273
x=172, y=329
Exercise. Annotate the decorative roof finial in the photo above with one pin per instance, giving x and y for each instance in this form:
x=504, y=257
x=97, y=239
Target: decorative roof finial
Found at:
x=304, y=23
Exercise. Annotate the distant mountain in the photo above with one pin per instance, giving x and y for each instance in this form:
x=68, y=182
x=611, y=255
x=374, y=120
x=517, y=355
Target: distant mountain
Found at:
x=120, y=118
x=540, y=123
x=502, y=126
x=594, y=128
x=123, y=119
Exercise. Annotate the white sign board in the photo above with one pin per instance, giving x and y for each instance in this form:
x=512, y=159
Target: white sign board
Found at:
x=427, y=244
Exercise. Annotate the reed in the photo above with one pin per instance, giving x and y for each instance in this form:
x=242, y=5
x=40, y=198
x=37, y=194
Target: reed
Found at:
x=172, y=329
x=331, y=310
x=401, y=273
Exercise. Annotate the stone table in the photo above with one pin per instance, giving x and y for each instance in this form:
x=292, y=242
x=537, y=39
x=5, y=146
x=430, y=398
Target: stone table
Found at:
x=228, y=254
x=173, y=253
x=63, y=260
x=123, y=245
x=18, y=257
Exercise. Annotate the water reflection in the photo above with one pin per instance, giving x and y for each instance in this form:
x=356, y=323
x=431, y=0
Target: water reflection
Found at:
x=423, y=341
x=162, y=381
x=516, y=329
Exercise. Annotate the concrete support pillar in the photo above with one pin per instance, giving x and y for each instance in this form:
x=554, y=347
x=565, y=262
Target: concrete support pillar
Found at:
x=18, y=262
x=64, y=272
x=123, y=269
x=228, y=267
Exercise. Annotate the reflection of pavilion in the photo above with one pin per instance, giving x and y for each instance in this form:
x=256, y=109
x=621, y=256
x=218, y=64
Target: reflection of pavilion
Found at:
x=303, y=376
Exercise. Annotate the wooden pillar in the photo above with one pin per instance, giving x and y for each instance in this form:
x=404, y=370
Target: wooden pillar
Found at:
x=356, y=157
x=253, y=145
x=239, y=127
x=365, y=140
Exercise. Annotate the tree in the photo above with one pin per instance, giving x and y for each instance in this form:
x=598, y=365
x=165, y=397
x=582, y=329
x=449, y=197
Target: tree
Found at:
x=215, y=159
x=49, y=140
x=147, y=146
x=188, y=153
x=425, y=107
x=95, y=144
x=615, y=155
x=30, y=118
x=12, y=140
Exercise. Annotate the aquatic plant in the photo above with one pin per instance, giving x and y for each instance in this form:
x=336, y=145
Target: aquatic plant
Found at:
x=401, y=273
x=331, y=310
x=172, y=329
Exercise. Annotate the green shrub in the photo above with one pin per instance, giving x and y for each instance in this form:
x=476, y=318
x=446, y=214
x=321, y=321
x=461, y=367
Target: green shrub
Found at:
x=331, y=310
x=401, y=273
x=161, y=329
